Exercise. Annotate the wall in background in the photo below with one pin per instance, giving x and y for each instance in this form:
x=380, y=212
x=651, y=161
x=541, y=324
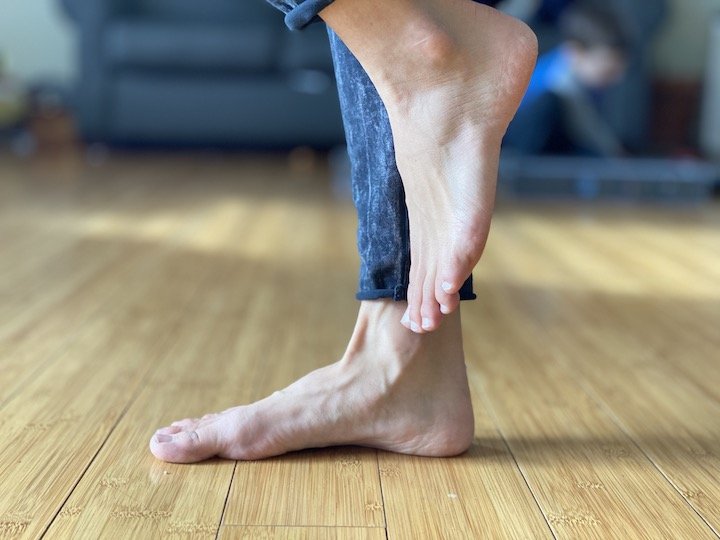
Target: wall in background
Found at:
x=681, y=49
x=37, y=41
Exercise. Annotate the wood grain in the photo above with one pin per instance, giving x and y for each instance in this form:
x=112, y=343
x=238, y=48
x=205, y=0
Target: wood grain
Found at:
x=152, y=288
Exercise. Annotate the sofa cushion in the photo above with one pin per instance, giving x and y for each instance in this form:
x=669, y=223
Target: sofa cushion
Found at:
x=159, y=45
x=202, y=10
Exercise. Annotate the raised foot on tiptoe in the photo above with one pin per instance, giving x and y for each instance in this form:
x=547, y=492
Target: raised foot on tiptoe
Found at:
x=392, y=390
x=458, y=75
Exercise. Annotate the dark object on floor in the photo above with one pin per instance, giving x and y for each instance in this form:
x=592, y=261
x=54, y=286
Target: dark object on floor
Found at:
x=211, y=72
x=595, y=178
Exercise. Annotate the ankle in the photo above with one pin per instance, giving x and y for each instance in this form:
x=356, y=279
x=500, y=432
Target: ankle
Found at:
x=425, y=53
x=381, y=343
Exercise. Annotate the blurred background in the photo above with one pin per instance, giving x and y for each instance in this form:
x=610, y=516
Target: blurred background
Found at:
x=625, y=102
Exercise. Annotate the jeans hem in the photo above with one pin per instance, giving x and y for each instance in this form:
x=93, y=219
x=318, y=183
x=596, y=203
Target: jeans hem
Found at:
x=305, y=13
x=399, y=292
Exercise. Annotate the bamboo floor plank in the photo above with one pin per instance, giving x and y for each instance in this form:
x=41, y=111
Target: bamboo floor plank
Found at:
x=580, y=465
x=222, y=361
x=463, y=497
x=557, y=354
x=234, y=532
x=330, y=487
x=38, y=331
x=57, y=423
x=591, y=352
x=347, y=476
x=671, y=314
x=586, y=474
x=660, y=381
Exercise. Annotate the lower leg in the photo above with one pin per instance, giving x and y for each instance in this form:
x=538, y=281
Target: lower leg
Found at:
x=392, y=389
x=383, y=237
x=451, y=74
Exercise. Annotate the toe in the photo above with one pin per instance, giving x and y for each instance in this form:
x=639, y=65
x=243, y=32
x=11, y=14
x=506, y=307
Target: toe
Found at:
x=187, y=446
x=405, y=321
x=185, y=423
x=415, y=296
x=451, y=282
x=453, y=274
x=430, y=309
x=448, y=302
x=415, y=318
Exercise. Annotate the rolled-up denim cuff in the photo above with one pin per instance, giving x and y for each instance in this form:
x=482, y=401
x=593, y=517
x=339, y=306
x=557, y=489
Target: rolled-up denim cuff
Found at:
x=300, y=13
x=399, y=292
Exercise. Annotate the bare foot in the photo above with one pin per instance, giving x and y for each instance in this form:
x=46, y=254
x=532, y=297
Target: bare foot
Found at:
x=392, y=390
x=451, y=74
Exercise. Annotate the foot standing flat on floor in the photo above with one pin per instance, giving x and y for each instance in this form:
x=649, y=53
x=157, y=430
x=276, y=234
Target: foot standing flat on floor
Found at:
x=392, y=389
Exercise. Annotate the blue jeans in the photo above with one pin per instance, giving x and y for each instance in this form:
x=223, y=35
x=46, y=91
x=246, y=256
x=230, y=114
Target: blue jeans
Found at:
x=383, y=235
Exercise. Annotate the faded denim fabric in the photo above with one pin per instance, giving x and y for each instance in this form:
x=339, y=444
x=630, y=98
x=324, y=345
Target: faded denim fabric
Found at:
x=383, y=235
x=300, y=13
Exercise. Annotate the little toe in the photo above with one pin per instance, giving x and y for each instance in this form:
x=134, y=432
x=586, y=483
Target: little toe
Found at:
x=405, y=320
x=430, y=309
x=415, y=318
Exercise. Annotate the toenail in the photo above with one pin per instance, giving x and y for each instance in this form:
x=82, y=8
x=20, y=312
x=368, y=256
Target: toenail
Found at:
x=161, y=437
x=446, y=286
x=405, y=318
x=426, y=323
x=414, y=327
x=444, y=309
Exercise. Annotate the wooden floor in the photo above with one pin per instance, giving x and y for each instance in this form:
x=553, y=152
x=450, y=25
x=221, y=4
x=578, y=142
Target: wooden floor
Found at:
x=146, y=289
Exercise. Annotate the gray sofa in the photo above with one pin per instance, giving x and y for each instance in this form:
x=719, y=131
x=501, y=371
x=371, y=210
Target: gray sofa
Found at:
x=210, y=72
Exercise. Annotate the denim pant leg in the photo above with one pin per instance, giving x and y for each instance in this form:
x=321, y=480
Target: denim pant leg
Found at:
x=300, y=13
x=383, y=236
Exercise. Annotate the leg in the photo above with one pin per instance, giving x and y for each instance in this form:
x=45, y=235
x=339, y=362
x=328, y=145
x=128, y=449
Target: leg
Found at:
x=383, y=231
x=392, y=389
x=451, y=74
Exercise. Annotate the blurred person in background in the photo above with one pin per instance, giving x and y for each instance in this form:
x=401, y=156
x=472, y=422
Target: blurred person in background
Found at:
x=560, y=112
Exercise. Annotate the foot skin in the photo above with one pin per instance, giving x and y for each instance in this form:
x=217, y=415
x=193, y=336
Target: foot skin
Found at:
x=451, y=74
x=392, y=390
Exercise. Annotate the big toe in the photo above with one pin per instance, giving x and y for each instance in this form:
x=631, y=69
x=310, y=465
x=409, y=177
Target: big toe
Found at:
x=186, y=446
x=451, y=276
